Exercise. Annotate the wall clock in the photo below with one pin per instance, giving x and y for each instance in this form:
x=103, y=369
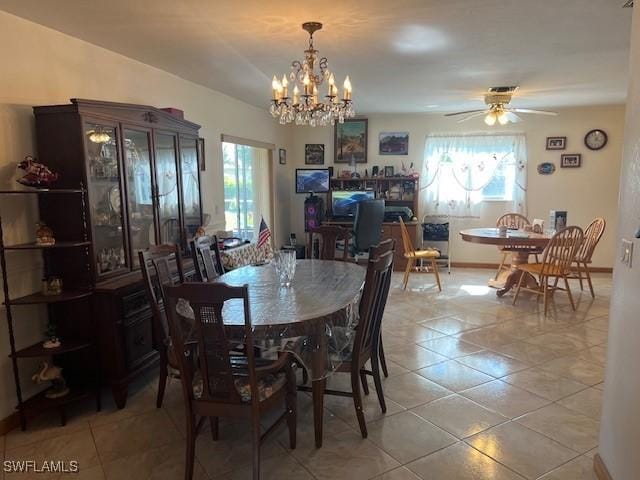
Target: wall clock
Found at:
x=595, y=139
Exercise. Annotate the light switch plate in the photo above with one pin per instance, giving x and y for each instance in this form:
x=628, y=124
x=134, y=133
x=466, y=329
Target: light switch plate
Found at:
x=626, y=253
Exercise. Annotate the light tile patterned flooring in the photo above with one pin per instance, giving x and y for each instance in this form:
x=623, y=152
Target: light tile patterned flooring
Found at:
x=478, y=389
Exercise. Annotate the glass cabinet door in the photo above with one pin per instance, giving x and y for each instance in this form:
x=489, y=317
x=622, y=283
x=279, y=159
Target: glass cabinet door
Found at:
x=137, y=154
x=190, y=183
x=106, y=198
x=167, y=188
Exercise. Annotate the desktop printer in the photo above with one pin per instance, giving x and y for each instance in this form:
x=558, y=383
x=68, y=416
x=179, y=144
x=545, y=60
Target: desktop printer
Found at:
x=392, y=214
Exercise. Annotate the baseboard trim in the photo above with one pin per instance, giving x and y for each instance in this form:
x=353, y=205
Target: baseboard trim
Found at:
x=494, y=266
x=600, y=468
x=9, y=423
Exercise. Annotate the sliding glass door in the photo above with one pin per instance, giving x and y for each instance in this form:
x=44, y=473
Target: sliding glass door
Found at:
x=247, y=193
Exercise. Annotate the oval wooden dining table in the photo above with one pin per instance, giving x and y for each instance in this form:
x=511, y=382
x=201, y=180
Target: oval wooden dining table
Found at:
x=323, y=295
x=519, y=244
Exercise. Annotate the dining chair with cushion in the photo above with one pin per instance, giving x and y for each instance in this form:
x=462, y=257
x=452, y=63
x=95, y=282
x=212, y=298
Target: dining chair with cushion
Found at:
x=366, y=343
x=376, y=252
x=206, y=258
x=592, y=236
x=331, y=240
x=216, y=384
x=414, y=256
x=156, y=267
x=514, y=221
x=557, y=258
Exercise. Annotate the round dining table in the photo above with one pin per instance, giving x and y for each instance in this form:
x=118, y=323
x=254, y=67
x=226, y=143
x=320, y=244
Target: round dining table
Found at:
x=518, y=243
x=323, y=297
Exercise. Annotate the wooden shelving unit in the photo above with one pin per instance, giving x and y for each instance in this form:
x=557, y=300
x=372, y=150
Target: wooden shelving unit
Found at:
x=79, y=388
x=396, y=191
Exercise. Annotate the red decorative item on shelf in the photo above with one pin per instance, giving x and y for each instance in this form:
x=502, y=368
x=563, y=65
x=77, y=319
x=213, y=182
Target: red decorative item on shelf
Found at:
x=37, y=175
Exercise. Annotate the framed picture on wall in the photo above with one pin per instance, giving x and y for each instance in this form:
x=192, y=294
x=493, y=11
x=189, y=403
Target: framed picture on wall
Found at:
x=314, y=154
x=393, y=143
x=556, y=143
x=388, y=171
x=203, y=165
x=282, y=156
x=350, y=141
x=573, y=160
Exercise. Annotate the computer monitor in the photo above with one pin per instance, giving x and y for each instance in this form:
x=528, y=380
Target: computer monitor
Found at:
x=345, y=202
x=312, y=180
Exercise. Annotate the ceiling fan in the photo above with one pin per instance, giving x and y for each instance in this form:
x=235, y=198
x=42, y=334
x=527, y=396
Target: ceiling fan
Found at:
x=498, y=111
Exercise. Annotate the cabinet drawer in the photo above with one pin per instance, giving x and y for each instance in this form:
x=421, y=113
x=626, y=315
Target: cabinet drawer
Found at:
x=134, y=304
x=138, y=338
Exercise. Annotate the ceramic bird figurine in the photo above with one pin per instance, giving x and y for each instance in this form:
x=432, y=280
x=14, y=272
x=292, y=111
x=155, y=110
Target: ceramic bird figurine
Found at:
x=37, y=175
x=51, y=374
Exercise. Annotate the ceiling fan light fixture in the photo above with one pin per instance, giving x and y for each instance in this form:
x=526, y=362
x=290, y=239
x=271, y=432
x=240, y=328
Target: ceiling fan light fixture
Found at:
x=490, y=119
x=503, y=118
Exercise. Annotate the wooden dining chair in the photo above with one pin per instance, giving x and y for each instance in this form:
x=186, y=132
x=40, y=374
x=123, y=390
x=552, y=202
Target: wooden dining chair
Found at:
x=206, y=258
x=557, y=258
x=414, y=256
x=375, y=252
x=592, y=236
x=330, y=237
x=216, y=384
x=366, y=344
x=514, y=221
x=156, y=267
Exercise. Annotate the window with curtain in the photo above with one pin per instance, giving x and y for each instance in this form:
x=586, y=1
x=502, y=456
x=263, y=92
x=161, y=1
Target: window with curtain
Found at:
x=462, y=171
x=247, y=194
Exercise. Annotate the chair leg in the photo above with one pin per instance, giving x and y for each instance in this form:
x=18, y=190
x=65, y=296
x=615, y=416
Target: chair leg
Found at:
x=255, y=434
x=434, y=265
x=191, y=446
x=502, y=262
x=162, y=381
x=365, y=384
x=214, y=423
x=566, y=285
x=515, y=298
x=377, y=381
x=545, y=286
x=357, y=402
x=383, y=360
x=588, y=275
x=291, y=403
x=579, y=275
x=406, y=273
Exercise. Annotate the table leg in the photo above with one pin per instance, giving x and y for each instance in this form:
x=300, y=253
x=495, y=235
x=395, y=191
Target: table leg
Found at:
x=509, y=279
x=318, y=383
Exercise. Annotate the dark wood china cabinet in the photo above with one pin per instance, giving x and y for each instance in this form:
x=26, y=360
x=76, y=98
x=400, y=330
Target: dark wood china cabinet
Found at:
x=140, y=167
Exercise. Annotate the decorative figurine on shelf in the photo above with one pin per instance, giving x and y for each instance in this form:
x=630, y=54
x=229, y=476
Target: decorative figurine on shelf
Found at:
x=37, y=175
x=52, y=286
x=51, y=374
x=52, y=338
x=44, y=235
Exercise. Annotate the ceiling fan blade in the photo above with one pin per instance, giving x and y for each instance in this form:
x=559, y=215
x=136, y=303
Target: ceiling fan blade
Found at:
x=462, y=113
x=513, y=118
x=537, y=112
x=478, y=113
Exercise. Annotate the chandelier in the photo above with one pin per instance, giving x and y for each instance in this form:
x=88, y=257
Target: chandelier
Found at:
x=305, y=106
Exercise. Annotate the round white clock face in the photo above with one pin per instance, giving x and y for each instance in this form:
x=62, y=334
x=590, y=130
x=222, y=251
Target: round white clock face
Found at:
x=595, y=139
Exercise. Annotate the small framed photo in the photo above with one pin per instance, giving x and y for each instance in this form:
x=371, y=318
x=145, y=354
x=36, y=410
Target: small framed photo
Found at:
x=556, y=143
x=394, y=143
x=388, y=171
x=203, y=165
x=282, y=156
x=314, y=154
x=573, y=160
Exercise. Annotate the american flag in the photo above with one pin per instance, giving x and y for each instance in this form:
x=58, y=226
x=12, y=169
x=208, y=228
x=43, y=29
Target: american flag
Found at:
x=264, y=234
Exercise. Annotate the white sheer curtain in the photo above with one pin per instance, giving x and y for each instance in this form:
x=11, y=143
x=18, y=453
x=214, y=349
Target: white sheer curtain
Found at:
x=462, y=170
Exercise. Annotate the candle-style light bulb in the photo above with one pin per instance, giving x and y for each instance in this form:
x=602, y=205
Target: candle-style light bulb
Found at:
x=275, y=85
x=306, y=81
x=332, y=85
x=347, y=88
x=285, y=84
x=296, y=95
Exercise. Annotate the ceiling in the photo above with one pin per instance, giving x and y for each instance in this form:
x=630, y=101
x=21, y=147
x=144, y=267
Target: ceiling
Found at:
x=401, y=55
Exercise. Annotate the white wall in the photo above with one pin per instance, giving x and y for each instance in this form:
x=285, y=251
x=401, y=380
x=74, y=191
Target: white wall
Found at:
x=43, y=67
x=620, y=424
x=585, y=193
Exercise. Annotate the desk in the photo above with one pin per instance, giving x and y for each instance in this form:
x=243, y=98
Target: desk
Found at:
x=389, y=230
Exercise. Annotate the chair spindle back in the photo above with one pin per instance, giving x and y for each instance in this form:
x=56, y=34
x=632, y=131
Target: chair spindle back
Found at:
x=561, y=251
x=592, y=236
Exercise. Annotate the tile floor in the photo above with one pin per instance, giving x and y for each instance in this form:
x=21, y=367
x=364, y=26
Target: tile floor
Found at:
x=478, y=389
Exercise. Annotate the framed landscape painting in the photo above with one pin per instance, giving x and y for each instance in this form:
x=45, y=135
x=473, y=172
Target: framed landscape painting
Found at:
x=394, y=143
x=350, y=141
x=314, y=154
